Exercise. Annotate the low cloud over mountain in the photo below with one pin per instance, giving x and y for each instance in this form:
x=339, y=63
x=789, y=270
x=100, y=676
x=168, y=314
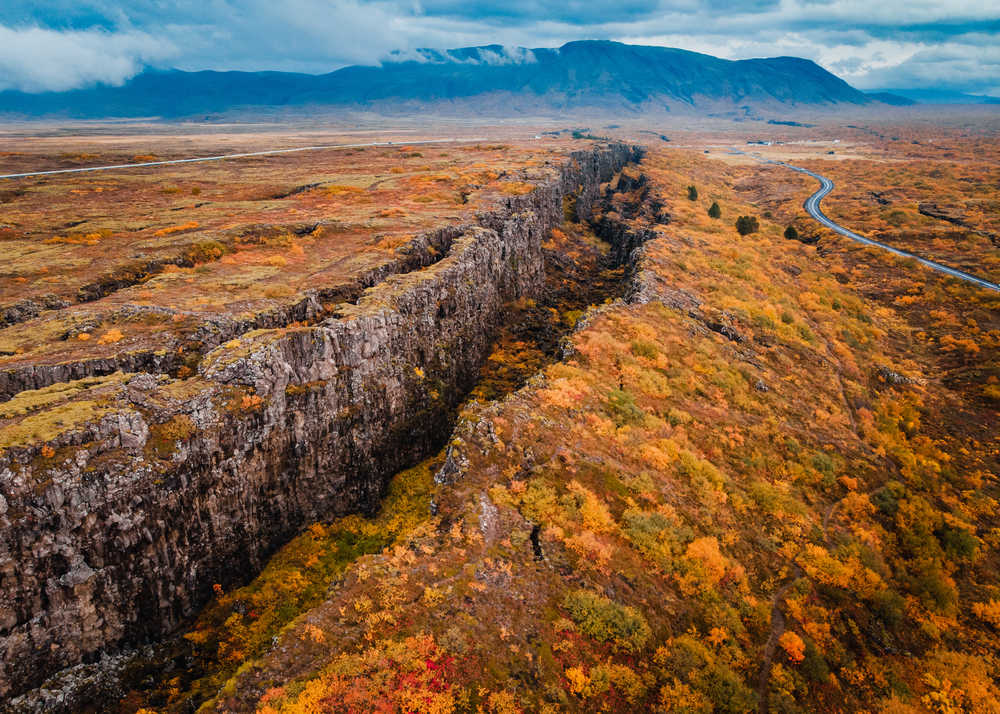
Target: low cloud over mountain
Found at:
x=591, y=76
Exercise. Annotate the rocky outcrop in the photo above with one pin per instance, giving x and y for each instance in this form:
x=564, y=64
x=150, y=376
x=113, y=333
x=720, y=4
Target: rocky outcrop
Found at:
x=956, y=217
x=27, y=309
x=942, y=213
x=112, y=532
x=36, y=376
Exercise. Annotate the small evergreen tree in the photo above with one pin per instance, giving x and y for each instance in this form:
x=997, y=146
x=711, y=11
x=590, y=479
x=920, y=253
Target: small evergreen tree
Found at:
x=714, y=211
x=692, y=193
x=746, y=225
x=791, y=233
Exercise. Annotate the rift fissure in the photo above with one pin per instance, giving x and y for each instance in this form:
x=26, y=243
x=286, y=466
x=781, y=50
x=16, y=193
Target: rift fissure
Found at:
x=122, y=531
x=581, y=271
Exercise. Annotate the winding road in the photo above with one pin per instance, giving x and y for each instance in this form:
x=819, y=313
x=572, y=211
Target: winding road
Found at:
x=221, y=157
x=813, y=209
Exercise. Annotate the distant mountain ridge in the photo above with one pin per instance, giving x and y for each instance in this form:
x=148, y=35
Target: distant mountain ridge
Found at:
x=598, y=76
x=938, y=96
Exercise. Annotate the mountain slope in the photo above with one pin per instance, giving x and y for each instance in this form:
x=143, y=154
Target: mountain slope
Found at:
x=595, y=75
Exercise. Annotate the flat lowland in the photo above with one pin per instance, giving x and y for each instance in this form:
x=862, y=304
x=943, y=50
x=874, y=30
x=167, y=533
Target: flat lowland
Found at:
x=931, y=191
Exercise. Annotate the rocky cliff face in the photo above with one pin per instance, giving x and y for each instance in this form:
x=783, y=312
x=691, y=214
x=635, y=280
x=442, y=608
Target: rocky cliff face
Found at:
x=114, y=530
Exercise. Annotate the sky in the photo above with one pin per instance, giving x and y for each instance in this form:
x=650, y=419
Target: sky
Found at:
x=873, y=44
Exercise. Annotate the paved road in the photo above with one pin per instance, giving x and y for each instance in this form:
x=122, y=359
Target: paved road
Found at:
x=813, y=209
x=404, y=142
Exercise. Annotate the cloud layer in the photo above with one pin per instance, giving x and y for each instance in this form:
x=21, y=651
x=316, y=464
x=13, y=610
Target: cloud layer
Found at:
x=35, y=59
x=62, y=44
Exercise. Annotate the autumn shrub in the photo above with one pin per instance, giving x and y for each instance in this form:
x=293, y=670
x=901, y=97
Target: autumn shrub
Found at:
x=606, y=678
x=571, y=317
x=592, y=509
x=889, y=606
x=170, y=230
x=988, y=612
x=110, y=337
x=623, y=627
x=677, y=416
x=78, y=239
x=704, y=671
x=957, y=542
x=205, y=251
x=701, y=472
x=793, y=645
x=516, y=188
x=341, y=190
x=164, y=438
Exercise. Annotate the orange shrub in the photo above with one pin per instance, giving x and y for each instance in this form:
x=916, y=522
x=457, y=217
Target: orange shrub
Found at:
x=190, y=225
x=793, y=646
x=110, y=337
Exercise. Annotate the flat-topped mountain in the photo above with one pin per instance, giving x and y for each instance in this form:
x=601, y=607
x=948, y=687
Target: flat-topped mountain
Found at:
x=588, y=76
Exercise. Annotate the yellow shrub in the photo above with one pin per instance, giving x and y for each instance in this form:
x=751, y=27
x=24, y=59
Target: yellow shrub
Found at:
x=110, y=337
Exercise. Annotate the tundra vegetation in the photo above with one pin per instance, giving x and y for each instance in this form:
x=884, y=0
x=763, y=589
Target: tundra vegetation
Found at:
x=770, y=483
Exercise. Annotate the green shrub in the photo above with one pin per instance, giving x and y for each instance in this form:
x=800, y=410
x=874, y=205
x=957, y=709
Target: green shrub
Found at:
x=693, y=663
x=651, y=533
x=692, y=193
x=714, y=211
x=624, y=628
x=957, y=542
x=641, y=348
x=745, y=225
x=896, y=218
x=823, y=462
x=622, y=408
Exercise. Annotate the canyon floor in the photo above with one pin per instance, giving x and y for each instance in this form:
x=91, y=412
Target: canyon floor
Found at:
x=661, y=466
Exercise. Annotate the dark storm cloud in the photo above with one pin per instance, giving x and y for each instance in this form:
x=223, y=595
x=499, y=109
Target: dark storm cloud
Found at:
x=56, y=44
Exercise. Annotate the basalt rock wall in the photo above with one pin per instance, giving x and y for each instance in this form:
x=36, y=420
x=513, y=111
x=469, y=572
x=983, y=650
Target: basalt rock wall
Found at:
x=113, y=532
